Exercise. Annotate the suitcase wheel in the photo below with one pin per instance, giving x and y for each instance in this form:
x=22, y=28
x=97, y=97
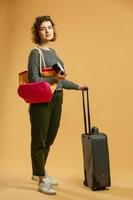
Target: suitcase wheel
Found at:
x=85, y=183
x=94, y=188
x=98, y=188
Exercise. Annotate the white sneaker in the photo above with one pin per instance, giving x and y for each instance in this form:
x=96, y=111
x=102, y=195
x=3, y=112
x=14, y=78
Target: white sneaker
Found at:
x=45, y=187
x=51, y=180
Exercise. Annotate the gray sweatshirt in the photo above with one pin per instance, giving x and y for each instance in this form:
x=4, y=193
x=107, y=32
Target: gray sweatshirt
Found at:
x=51, y=58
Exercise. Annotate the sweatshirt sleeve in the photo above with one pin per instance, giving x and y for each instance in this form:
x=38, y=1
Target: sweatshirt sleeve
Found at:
x=34, y=69
x=66, y=84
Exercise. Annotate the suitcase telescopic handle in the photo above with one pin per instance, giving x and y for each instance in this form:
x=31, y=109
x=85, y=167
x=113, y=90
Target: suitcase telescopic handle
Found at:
x=86, y=116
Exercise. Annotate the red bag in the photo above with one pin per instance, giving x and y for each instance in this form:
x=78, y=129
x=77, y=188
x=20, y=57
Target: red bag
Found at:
x=38, y=92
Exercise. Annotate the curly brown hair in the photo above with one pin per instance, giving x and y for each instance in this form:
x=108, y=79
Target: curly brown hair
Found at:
x=36, y=27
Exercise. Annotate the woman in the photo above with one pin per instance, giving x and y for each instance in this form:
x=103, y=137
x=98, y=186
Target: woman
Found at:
x=45, y=117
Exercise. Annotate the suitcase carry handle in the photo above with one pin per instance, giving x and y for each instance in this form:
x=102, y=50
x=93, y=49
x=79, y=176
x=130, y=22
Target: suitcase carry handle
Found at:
x=87, y=129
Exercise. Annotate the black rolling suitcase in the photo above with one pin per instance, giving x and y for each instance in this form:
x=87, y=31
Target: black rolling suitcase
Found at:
x=95, y=153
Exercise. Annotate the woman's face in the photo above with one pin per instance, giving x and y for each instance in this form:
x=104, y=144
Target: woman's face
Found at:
x=46, y=31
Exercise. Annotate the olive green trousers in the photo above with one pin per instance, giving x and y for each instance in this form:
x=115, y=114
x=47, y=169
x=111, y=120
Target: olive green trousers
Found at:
x=45, y=121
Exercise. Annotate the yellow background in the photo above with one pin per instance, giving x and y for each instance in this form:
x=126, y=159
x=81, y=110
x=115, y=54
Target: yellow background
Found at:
x=95, y=41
